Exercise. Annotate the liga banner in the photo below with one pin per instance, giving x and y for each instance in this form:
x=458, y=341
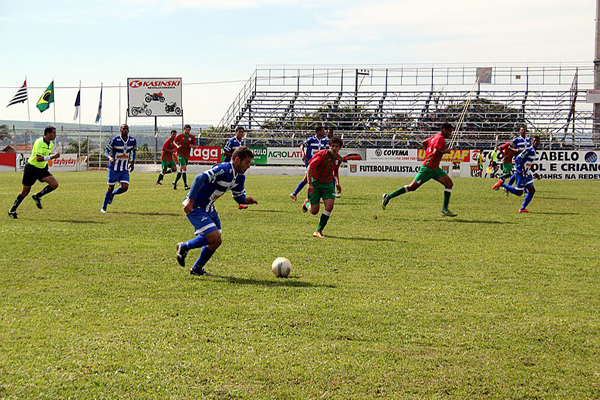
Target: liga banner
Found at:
x=205, y=155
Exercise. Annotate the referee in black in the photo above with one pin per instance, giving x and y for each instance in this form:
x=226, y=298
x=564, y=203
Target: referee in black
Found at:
x=36, y=169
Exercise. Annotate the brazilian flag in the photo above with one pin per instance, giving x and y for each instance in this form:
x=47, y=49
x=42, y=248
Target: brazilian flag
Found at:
x=47, y=97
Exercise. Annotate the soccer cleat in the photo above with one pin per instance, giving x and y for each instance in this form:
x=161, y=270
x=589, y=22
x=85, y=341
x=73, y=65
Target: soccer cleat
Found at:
x=187, y=187
x=181, y=254
x=159, y=183
x=497, y=184
x=13, y=214
x=524, y=211
x=293, y=197
x=385, y=199
x=318, y=234
x=304, y=208
x=448, y=213
x=103, y=210
x=38, y=201
x=242, y=206
x=174, y=186
x=338, y=195
x=202, y=272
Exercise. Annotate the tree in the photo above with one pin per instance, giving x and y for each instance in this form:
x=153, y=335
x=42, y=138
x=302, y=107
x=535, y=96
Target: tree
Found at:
x=4, y=132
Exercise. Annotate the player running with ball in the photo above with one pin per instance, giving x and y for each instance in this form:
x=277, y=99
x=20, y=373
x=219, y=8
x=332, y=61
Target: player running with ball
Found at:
x=524, y=178
x=435, y=148
x=199, y=206
x=323, y=177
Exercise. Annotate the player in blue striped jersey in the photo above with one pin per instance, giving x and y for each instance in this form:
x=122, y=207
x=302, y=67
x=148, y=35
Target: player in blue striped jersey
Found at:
x=233, y=143
x=230, y=146
x=120, y=152
x=200, y=209
x=518, y=144
x=308, y=148
x=523, y=175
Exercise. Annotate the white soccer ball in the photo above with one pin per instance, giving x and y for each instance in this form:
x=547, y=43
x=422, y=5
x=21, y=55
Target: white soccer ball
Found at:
x=281, y=267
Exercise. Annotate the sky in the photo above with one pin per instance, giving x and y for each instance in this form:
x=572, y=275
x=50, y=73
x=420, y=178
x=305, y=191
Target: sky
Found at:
x=215, y=45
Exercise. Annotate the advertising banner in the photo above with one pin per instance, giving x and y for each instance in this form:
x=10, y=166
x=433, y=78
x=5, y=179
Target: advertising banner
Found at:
x=284, y=156
x=568, y=170
x=154, y=97
x=404, y=169
x=205, y=155
x=66, y=162
x=392, y=155
x=260, y=155
x=455, y=156
x=571, y=156
x=8, y=161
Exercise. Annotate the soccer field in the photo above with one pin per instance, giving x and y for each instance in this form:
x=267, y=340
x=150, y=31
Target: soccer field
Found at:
x=391, y=304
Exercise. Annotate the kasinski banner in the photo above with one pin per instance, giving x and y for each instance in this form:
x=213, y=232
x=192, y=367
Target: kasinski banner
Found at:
x=154, y=97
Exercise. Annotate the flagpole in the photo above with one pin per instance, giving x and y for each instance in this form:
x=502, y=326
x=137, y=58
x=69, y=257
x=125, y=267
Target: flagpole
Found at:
x=54, y=108
x=79, y=130
x=28, y=116
x=100, y=111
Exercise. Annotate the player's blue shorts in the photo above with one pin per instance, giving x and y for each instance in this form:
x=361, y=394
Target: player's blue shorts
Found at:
x=204, y=222
x=521, y=182
x=115, y=177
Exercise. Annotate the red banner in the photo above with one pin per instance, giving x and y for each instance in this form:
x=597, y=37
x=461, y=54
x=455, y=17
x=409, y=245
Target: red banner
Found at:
x=205, y=155
x=8, y=159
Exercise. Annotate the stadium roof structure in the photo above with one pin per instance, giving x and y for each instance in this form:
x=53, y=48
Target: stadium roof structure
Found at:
x=398, y=105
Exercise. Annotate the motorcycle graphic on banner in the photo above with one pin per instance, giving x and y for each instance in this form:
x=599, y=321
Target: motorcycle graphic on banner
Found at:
x=156, y=97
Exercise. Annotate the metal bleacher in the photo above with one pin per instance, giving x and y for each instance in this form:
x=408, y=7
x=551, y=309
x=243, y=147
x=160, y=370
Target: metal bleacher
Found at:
x=399, y=105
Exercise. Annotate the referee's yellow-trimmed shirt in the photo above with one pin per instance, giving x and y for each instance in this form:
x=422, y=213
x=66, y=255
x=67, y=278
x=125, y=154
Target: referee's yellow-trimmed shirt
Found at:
x=40, y=147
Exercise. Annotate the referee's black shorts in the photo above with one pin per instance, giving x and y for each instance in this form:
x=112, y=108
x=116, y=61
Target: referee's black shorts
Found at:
x=32, y=174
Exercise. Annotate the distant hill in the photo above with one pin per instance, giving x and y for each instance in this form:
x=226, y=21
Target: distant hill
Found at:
x=68, y=126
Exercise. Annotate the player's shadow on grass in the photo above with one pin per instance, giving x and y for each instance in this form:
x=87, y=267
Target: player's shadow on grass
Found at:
x=290, y=282
x=556, y=213
x=467, y=221
x=557, y=198
x=366, y=239
x=150, y=214
x=265, y=211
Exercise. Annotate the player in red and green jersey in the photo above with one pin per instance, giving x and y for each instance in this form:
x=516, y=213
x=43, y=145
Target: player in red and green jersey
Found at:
x=167, y=158
x=435, y=148
x=323, y=177
x=508, y=154
x=185, y=141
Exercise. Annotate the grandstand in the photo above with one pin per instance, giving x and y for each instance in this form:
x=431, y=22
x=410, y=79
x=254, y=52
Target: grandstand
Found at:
x=399, y=105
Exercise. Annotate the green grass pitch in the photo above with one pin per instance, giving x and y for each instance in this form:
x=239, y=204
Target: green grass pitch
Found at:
x=391, y=304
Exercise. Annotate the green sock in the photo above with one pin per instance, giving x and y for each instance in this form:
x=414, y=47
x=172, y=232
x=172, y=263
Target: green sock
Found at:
x=177, y=178
x=323, y=220
x=184, y=178
x=398, y=192
x=160, y=177
x=447, y=193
